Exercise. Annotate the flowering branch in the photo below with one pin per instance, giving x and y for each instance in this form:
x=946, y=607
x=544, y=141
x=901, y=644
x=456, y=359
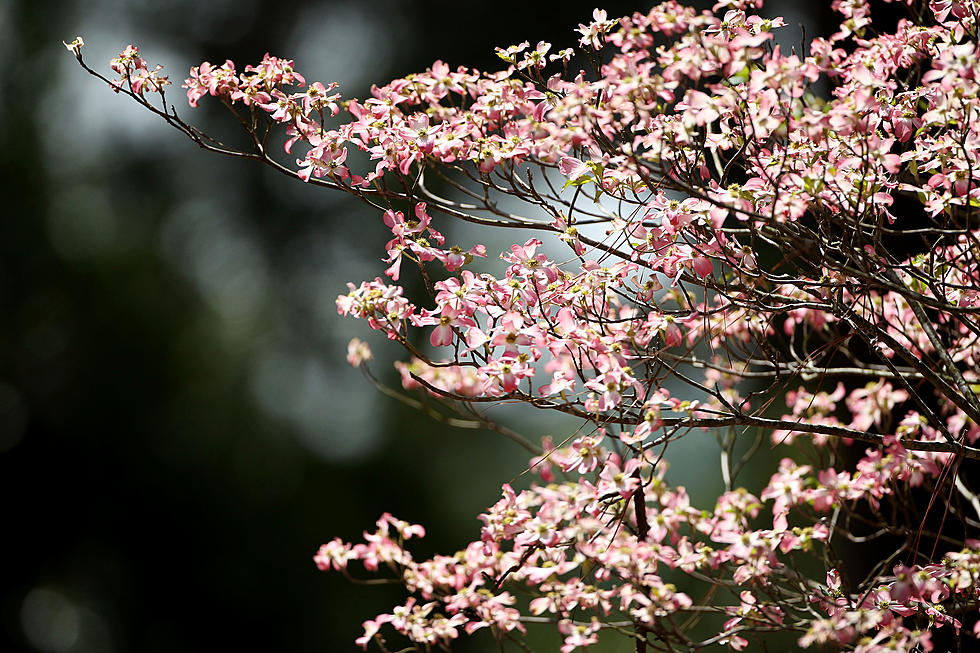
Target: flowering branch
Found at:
x=753, y=227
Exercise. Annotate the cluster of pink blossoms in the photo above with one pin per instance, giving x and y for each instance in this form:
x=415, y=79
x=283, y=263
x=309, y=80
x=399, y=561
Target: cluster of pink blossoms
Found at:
x=132, y=70
x=752, y=226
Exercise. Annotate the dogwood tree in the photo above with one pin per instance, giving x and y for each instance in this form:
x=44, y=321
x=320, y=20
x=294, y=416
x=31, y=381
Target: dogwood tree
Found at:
x=792, y=237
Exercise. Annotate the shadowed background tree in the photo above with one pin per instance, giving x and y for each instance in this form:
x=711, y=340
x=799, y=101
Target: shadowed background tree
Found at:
x=178, y=428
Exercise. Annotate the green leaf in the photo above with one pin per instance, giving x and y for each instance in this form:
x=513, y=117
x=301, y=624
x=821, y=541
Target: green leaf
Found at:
x=580, y=181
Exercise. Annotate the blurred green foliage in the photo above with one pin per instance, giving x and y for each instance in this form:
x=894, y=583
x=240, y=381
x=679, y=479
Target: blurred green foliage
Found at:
x=178, y=428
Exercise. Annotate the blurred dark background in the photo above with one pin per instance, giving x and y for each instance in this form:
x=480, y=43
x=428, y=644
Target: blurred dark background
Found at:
x=179, y=431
